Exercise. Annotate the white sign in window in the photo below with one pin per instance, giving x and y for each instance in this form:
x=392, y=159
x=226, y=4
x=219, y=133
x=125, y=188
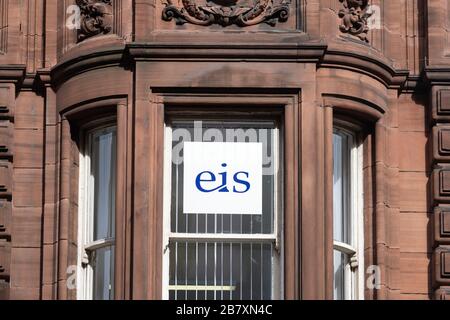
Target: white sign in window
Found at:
x=222, y=178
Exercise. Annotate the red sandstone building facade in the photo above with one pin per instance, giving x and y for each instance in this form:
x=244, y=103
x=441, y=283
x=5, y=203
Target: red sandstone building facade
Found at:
x=353, y=95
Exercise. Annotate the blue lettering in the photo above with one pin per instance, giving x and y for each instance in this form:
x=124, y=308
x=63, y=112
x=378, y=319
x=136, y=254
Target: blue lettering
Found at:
x=241, y=182
x=199, y=180
x=224, y=180
x=207, y=177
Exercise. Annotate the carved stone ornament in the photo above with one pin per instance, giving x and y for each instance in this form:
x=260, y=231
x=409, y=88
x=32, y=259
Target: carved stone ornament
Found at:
x=227, y=12
x=96, y=18
x=354, y=18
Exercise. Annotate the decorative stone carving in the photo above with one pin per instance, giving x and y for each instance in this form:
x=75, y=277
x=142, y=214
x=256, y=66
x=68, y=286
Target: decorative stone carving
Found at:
x=227, y=12
x=354, y=18
x=96, y=18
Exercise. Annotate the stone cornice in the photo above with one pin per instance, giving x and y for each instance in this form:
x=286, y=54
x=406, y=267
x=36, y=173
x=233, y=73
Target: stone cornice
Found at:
x=295, y=52
x=308, y=52
x=86, y=60
x=437, y=75
x=369, y=65
x=123, y=55
x=14, y=73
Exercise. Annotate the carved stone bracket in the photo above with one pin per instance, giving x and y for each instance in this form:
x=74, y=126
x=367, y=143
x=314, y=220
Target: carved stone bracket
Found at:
x=227, y=13
x=354, y=17
x=96, y=18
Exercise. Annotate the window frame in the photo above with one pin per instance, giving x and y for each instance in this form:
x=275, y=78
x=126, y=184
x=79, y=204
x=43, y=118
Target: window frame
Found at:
x=85, y=271
x=276, y=237
x=354, y=275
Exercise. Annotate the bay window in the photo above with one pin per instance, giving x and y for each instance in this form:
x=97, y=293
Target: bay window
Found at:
x=348, y=222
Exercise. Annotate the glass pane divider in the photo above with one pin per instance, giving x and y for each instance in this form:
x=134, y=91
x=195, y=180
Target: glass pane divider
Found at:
x=102, y=243
x=213, y=237
x=215, y=288
x=344, y=248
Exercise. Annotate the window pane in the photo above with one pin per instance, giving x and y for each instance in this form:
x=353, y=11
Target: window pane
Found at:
x=104, y=167
x=104, y=274
x=220, y=271
x=339, y=272
x=341, y=181
x=223, y=223
x=344, y=211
